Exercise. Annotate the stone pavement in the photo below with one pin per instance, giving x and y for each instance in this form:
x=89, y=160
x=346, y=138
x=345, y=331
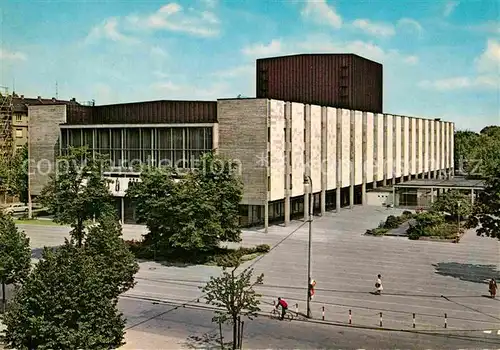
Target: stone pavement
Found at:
x=430, y=279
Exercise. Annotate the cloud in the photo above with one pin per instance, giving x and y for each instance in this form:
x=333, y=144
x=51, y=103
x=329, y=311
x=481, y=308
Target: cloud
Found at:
x=378, y=29
x=363, y=48
x=449, y=7
x=172, y=17
x=236, y=72
x=273, y=48
x=108, y=29
x=489, y=60
x=158, y=52
x=491, y=27
x=210, y=3
x=181, y=91
x=458, y=83
x=487, y=76
x=411, y=23
x=12, y=56
x=322, y=13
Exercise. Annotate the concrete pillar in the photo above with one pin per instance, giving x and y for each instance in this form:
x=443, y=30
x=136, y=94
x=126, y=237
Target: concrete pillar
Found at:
x=306, y=203
x=364, y=151
x=307, y=165
x=287, y=210
x=288, y=170
x=339, y=160
x=374, y=184
x=384, y=181
x=352, y=159
x=266, y=216
x=472, y=196
x=122, y=210
x=249, y=214
x=432, y=195
x=394, y=196
x=324, y=158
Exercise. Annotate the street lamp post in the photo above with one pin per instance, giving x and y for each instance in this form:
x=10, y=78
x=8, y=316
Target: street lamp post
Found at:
x=307, y=179
x=458, y=215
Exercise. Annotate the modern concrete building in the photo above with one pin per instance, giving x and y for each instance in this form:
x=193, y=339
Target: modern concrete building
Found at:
x=281, y=147
x=285, y=150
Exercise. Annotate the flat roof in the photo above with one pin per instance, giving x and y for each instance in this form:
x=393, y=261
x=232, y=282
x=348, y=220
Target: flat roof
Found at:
x=456, y=182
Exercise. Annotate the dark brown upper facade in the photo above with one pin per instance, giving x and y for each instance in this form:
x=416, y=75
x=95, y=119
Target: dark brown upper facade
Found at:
x=338, y=80
x=151, y=112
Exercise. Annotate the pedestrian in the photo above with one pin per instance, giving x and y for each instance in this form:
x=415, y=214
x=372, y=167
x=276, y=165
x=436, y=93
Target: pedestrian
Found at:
x=378, y=285
x=493, y=288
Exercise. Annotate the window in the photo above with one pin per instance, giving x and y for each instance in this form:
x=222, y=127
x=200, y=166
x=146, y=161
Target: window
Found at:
x=19, y=132
x=19, y=118
x=19, y=147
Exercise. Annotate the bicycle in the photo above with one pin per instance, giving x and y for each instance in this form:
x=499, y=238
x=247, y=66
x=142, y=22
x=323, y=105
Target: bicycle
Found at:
x=276, y=314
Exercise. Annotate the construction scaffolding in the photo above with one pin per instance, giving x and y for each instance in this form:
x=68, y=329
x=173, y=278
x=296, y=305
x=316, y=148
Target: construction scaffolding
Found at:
x=6, y=114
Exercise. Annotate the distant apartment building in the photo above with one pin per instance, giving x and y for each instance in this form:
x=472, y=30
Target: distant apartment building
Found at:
x=14, y=118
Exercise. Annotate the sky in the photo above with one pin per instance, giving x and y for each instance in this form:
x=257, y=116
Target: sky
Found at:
x=441, y=58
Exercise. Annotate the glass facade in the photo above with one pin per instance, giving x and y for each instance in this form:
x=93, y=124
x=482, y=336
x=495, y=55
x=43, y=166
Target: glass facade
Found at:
x=179, y=147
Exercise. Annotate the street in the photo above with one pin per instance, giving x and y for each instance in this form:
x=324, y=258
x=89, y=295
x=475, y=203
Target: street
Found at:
x=428, y=279
x=192, y=328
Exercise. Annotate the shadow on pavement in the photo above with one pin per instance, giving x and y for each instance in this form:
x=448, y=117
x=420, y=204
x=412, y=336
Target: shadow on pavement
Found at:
x=468, y=272
x=206, y=341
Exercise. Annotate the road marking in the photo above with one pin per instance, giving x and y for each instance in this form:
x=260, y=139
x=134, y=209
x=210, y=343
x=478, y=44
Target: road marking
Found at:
x=487, y=332
x=498, y=332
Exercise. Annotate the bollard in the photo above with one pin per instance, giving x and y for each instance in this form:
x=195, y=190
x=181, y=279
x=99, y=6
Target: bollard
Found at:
x=380, y=319
x=413, y=320
x=350, y=317
x=323, y=313
x=296, y=308
x=445, y=321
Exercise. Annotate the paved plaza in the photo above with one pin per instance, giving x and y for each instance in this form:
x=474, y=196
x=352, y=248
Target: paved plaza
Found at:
x=430, y=279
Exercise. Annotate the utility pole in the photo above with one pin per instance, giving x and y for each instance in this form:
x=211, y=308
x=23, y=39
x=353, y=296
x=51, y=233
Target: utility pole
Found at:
x=307, y=179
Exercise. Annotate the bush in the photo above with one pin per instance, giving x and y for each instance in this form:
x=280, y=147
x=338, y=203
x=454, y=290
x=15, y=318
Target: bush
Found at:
x=391, y=222
x=379, y=231
x=407, y=213
x=262, y=248
x=414, y=232
x=429, y=219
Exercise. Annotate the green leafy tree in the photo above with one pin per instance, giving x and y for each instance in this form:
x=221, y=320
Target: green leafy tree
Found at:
x=465, y=143
x=189, y=212
x=15, y=254
x=235, y=295
x=218, y=176
x=454, y=203
x=70, y=300
x=78, y=192
x=17, y=175
x=113, y=259
x=486, y=212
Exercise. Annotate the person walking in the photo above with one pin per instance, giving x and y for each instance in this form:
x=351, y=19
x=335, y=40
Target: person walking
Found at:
x=493, y=288
x=378, y=285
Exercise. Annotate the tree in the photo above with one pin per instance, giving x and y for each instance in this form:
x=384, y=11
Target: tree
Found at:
x=235, y=295
x=113, y=259
x=17, y=175
x=190, y=212
x=78, y=192
x=454, y=203
x=15, y=254
x=486, y=211
x=70, y=300
x=218, y=176
x=464, y=144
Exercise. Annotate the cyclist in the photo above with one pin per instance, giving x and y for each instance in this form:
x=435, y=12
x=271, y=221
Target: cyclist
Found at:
x=284, y=307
